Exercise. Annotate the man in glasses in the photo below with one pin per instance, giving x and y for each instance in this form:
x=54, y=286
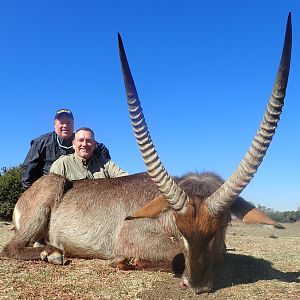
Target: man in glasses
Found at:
x=84, y=163
x=47, y=148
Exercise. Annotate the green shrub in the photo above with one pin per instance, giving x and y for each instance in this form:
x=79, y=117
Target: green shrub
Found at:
x=10, y=190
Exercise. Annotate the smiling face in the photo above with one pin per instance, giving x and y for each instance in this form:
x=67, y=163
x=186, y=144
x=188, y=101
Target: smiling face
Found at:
x=84, y=144
x=64, y=127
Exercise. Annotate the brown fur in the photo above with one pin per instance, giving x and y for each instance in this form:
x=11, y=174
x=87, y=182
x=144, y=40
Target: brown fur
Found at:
x=37, y=202
x=85, y=218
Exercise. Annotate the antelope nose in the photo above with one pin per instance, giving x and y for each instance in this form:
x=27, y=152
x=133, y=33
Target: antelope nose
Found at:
x=182, y=285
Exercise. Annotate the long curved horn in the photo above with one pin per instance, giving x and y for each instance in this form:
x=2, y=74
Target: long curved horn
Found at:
x=228, y=192
x=173, y=193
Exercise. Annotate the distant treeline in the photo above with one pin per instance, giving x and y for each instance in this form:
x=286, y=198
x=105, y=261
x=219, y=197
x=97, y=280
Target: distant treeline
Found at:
x=281, y=216
x=11, y=189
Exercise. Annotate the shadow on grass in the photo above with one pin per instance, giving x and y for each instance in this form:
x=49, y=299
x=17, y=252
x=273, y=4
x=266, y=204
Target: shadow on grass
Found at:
x=242, y=269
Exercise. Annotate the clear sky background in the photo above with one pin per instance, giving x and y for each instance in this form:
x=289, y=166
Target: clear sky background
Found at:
x=204, y=71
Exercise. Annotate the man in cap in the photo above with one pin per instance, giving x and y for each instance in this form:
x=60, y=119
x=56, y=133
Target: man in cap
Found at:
x=49, y=147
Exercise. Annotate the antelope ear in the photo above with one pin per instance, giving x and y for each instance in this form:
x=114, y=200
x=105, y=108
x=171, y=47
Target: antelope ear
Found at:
x=152, y=209
x=249, y=214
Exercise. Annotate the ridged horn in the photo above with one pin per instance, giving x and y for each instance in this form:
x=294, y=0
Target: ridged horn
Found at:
x=175, y=196
x=228, y=192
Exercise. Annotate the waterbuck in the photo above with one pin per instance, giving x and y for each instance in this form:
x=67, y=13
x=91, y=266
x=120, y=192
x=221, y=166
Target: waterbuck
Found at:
x=148, y=218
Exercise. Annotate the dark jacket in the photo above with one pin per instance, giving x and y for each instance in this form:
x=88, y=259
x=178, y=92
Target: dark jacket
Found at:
x=44, y=151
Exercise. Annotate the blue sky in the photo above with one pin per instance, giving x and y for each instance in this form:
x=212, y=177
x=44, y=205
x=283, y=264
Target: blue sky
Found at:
x=204, y=71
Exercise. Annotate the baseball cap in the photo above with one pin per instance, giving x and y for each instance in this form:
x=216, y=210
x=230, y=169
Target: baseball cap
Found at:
x=64, y=112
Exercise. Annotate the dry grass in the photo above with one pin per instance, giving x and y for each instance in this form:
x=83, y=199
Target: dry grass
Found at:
x=261, y=263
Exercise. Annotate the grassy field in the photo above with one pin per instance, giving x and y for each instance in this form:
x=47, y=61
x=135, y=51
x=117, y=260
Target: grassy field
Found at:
x=262, y=263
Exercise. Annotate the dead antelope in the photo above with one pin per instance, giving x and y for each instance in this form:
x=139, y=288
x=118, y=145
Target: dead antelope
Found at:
x=145, y=218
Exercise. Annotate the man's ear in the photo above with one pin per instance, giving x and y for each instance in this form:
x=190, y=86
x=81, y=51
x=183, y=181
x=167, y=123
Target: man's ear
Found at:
x=151, y=209
x=94, y=145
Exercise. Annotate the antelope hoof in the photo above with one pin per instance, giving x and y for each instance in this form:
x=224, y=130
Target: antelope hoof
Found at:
x=52, y=255
x=56, y=259
x=121, y=263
